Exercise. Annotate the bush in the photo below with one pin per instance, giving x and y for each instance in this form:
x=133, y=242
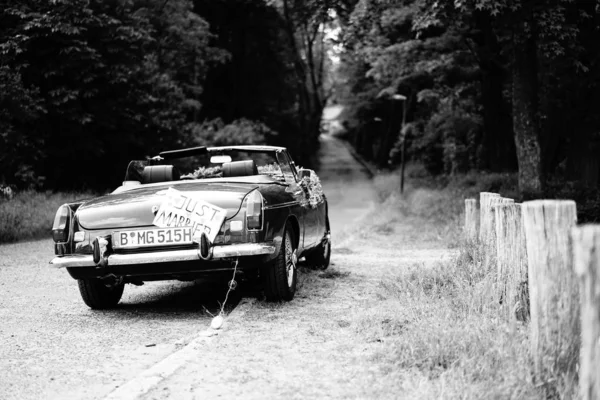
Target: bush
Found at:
x=241, y=131
x=448, y=142
x=587, y=199
x=30, y=214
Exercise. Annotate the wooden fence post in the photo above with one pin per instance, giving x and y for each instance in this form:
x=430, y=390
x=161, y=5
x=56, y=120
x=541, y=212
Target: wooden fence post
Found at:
x=553, y=291
x=489, y=246
x=511, y=262
x=485, y=211
x=586, y=263
x=471, y=218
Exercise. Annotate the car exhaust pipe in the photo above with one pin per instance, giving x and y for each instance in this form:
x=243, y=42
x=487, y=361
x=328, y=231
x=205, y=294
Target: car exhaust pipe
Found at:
x=205, y=248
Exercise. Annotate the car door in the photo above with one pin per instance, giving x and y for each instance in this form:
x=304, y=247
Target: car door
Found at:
x=307, y=216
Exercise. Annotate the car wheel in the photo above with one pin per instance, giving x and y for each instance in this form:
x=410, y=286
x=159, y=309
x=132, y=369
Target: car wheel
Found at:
x=319, y=257
x=99, y=296
x=281, y=275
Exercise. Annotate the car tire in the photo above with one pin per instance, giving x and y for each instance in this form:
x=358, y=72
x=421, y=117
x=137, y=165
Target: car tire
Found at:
x=319, y=257
x=280, y=277
x=97, y=295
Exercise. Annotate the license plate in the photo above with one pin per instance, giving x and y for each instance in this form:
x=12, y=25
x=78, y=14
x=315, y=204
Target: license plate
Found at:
x=151, y=237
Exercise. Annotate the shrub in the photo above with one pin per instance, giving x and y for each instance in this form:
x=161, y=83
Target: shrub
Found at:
x=241, y=131
x=449, y=140
x=29, y=214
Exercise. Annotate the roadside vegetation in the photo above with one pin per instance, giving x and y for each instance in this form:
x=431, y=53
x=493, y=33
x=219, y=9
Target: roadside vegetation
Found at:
x=29, y=214
x=430, y=326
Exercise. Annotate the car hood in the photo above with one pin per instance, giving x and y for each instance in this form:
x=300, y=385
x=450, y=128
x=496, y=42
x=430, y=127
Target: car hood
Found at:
x=133, y=208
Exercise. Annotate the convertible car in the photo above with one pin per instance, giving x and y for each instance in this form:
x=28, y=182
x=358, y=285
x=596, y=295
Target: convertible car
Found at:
x=244, y=210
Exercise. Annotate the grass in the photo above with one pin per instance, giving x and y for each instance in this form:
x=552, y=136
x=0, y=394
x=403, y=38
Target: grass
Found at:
x=30, y=214
x=333, y=273
x=437, y=326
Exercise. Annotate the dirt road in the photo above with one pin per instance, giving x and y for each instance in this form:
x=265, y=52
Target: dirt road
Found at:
x=346, y=182
x=53, y=346
x=321, y=345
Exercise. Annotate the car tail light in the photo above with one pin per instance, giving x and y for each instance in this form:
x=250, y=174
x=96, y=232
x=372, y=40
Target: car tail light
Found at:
x=254, y=211
x=60, y=228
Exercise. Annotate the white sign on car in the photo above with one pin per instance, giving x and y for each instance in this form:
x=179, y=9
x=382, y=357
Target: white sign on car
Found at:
x=180, y=209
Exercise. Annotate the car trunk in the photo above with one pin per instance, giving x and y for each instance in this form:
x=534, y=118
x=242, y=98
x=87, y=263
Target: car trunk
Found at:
x=133, y=208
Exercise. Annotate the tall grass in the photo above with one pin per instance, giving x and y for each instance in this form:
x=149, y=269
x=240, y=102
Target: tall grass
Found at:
x=448, y=333
x=29, y=214
x=442, y=321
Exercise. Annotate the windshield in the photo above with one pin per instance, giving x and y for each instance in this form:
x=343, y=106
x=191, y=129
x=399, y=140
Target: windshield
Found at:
x=202, y=167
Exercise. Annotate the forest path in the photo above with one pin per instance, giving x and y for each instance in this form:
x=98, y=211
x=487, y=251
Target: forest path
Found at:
x=346, y=183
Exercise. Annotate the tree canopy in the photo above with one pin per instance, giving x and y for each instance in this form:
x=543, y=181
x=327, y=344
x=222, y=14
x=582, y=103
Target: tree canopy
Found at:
x=510, y=85
x=490, y=85
x=87, y=85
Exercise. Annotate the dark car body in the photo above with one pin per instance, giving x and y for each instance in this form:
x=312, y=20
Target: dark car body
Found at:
x=114, y=239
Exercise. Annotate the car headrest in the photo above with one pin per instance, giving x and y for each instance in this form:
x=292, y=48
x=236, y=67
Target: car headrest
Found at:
x=239, y=168
x=160, y=173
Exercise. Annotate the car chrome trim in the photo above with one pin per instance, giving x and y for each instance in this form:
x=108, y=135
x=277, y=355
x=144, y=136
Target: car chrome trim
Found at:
x=282, y=205
x=244, y=249
x=73, y=261
x=218, y=252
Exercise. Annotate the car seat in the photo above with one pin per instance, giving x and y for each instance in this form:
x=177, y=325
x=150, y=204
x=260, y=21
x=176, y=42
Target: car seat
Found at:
x=239, y=168
x=160, y=173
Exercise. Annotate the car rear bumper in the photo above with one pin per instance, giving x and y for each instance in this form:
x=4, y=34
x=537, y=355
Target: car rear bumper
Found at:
x=218, y=253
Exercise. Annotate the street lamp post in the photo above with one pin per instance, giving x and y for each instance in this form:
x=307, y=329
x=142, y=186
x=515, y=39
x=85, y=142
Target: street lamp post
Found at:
x=402, y=139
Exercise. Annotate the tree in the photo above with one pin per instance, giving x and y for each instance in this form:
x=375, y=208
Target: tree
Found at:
x=103, y=85
x=535, y=28
x=429, y=65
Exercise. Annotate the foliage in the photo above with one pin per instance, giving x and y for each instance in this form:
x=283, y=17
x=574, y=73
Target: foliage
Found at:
x=309, y=191
x=434, y=71
x=87, y=81
x=259, y=81
x=205, y=173
x=29, y=214
x=93, y=79
x=271, y=169
x=455, y=62
x=244, y=131
x=448, y=142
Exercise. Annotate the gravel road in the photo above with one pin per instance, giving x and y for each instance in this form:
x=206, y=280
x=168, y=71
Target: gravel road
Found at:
x=53, y=346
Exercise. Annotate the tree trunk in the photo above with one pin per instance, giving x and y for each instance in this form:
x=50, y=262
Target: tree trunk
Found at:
x=525, y=107
x=499, y=145
x=498, y=141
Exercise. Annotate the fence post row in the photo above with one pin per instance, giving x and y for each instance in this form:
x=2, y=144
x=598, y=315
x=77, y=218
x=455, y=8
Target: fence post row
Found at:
x=586, y=264
x=511, y=275
x=471, y=219
x=553, y=291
